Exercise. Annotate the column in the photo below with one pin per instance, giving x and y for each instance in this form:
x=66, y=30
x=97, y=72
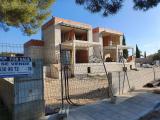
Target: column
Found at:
x=90, y=39
x=133, y=52
x=101, y=47
x=73, y=53
x=121, y=40
x=73, y=58
x=117, y=56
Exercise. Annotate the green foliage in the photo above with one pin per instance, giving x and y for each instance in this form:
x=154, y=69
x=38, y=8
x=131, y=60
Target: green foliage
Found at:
x=107, y=6
x=145, y=4
x=138, y=52
x=7, y=54
x=157, y=56
x=28, y=15
x=110, y=7
x=125, y=51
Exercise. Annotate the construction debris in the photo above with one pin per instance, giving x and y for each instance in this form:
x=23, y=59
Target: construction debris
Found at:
x=153, y=84
x=94, y=59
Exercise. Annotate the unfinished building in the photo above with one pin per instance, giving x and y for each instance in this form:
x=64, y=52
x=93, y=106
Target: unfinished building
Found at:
x=83, y=45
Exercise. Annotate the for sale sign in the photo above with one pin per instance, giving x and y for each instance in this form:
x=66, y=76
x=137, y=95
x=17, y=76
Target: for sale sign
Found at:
x=15, y=66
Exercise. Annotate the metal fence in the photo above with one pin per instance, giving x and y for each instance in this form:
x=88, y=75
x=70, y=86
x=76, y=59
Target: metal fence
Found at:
x=7, y=84
x=79, y=83
x=86, y=83
x=77, y=88
x=23, y=96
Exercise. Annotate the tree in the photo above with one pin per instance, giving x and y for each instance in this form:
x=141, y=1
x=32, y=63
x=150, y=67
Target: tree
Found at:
x=145, y=55
x=125, y=51
x=157, y=56
x=138, y=53
x=110, y=7
x=28, y=15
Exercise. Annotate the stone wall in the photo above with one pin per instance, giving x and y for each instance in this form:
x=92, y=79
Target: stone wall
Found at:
x=98, y=68
x=53, y=70
x=137, y=79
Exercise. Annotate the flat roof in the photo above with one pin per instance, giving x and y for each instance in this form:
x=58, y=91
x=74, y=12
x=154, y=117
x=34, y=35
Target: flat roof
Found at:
x=106, y=30
x=73, y=26
x=34, y=42
x=57, y=20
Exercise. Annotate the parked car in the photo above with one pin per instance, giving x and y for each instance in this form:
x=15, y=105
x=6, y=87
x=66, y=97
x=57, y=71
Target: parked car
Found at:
x=147, y=66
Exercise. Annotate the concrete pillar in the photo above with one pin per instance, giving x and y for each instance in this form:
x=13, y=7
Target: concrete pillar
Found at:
x=117, y=55
x=121, y=39
x=133, y=52
x=73, y=57
x=89, y=35
x=57, y=39
x=73, y=53
x=101, y=41
x=96, y=50
x=90, y=39
x=111, y=92
x=49, y=47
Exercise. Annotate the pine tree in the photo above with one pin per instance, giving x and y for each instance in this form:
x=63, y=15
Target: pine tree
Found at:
x=157, y=56
x=138, y=53
x=28, y=15
x=125, y=51
x=110, y=7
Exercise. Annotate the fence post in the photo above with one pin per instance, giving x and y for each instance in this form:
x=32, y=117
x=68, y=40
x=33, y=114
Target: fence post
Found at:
x=119, y=77
x=113, y=98
x=154, y=74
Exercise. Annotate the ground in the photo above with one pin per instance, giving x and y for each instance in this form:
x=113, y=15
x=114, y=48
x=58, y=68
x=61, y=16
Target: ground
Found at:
x=155, y=114
x=84, y=90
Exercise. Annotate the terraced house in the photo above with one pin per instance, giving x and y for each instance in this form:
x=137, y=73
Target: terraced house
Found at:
x=84, y=46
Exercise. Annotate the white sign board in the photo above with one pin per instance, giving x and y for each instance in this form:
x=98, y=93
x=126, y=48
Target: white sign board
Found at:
x=15, y=66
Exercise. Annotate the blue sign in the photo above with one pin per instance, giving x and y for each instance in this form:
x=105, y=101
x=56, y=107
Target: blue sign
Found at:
x=15, y=66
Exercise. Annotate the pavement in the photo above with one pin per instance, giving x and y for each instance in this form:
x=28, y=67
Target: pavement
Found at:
x=131, y=107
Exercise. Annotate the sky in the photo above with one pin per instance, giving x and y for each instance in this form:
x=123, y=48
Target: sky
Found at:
x=141, y=28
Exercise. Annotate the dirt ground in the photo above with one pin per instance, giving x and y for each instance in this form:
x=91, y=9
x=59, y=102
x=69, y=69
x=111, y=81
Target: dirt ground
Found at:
x=82, y=90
